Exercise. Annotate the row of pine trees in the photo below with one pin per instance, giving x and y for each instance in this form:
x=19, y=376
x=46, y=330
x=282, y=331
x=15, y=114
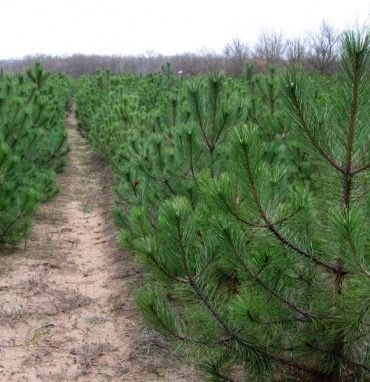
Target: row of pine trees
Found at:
x=32, y=146
x=247, y=201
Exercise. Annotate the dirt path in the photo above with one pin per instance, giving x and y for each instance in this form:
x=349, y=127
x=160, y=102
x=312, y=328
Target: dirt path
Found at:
x=65, y=308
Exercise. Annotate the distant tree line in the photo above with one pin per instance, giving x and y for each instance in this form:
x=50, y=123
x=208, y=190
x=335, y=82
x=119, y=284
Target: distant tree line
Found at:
x=318, y=50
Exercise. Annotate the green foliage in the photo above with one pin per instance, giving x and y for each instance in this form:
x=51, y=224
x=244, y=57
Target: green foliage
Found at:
x=251, y=218
x=32, y=146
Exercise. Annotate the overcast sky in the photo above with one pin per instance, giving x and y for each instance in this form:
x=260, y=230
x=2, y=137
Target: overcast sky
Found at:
x=163, y=26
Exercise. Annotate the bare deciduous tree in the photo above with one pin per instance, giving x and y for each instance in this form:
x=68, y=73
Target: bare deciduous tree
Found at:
x=318, y=51
x=270, y=46
x=323, y=48
x=237, y=54
x=296, y=51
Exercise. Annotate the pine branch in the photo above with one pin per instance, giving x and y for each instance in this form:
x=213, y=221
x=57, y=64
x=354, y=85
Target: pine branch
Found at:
x=255, y=225
x=194, y=96
x=357, y=258
x=217, y=137
x=361, y=169
x=233, y=333
x=300, y=113
x=162, y=268
x=277, y=322
x=194, y=285
x=258, y=280
x=347, y=175
x=274, y=230
x=191, y=162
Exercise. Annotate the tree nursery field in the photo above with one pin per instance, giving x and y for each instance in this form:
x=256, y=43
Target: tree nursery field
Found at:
x=242, y=211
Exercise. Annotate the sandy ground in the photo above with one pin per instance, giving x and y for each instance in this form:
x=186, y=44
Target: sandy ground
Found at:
x=66, y=312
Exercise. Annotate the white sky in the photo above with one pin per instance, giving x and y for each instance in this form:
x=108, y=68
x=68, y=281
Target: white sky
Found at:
x=163, y=26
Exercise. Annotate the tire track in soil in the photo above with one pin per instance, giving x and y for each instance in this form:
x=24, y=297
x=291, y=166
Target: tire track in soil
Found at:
x=66, y=312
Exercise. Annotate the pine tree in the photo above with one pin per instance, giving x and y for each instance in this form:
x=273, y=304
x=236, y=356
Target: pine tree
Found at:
x=269, y=276
x=32, y=146
x=259, y=267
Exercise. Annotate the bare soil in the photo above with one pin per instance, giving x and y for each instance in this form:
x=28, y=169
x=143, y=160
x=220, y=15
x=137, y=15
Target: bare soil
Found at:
x=66, y=311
